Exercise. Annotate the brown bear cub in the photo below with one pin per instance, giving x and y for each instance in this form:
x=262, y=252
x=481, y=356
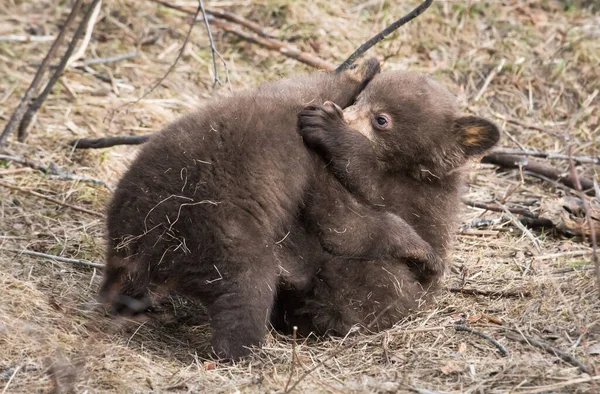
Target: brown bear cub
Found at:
x=227, y=205
x=401, y=148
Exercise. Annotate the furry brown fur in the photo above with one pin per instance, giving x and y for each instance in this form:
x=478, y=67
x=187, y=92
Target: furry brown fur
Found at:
x=401, y=148
x=228, y=206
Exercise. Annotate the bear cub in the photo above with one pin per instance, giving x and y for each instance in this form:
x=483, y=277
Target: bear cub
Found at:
x=401, y=148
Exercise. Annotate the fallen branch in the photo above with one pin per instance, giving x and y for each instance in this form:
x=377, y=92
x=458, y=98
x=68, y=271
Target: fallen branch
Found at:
x=497, y=208
x=106, y=142
x=37, y=104
x=536, y=168
x=545, y=155
x=483, y=335
x=55, y=172
x=51, y=199
x=53, y=257
x=549, y=349
x=383, y=34
x=18, y=113
x=490, y=293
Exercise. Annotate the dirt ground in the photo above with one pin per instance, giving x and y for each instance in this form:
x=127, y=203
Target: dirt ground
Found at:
x=531, y=66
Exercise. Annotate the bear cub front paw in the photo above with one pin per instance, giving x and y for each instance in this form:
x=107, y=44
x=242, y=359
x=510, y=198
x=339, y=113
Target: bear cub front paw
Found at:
x=317, y=122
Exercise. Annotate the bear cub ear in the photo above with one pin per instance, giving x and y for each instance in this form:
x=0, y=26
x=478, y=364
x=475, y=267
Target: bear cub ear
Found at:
x=475, y=134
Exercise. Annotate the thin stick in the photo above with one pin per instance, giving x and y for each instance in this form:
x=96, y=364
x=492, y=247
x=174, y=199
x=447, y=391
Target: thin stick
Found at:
x=23, y=38
x=36, y=105
x=104, y=60
x=574, y=253
x=496, y=208
x=171, y=67
x=54, y=200
x=32, y=89
x=213, y=49
x=491, y=293
x=550, y=388
x=549, y=349
x=524, y=229
x=11, y=379
x=588, y=217
x=545, y=155
x=56, y=172
x=383, y=34
x=106, y=142
x=295, y=330
x=489, y=79
x=532, y=166
x=54, y=257
x=88, y=35
x=483, y=335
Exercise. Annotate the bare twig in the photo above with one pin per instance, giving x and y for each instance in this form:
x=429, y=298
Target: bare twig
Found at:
x=171, y=67
x=573, y=253
x=51, y=199
x=295, y=330
x=545, y=155
x=490, y=293
x=497, y=208
x=588, y=217
x=489, y=79
x=524, y=229
x=53, y=257
x=548, y=348
x=12, y=376
x=383, y=34
x=104, y=60
x=557, y=386
x=24, y=38
x=36, y=105
x=535, y=167
x=88, y=34
x=483, y=335
x=55, y=172
x=17, y=115
x=106, y=142
x=213, y=49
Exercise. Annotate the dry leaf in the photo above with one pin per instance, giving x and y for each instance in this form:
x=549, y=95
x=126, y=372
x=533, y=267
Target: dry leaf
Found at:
x=451, y=368
x=594, y=349
x=462, y=347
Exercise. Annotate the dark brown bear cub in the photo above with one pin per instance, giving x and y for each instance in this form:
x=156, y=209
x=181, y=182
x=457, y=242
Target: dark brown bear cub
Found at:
x=216, y=207
x=401, y=147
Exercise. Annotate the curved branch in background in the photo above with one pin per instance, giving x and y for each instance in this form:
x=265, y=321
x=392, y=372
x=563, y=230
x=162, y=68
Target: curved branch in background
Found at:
x=383, y=34
x=32, y=89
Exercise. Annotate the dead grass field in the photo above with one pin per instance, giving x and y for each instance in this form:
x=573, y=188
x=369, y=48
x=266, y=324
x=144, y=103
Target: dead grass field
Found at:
x=52, y=337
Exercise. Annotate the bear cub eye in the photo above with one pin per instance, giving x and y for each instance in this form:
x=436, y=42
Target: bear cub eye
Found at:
x=382, y=121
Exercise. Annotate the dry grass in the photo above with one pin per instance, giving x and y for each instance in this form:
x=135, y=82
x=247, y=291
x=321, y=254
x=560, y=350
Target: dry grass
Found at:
x=53, y=338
